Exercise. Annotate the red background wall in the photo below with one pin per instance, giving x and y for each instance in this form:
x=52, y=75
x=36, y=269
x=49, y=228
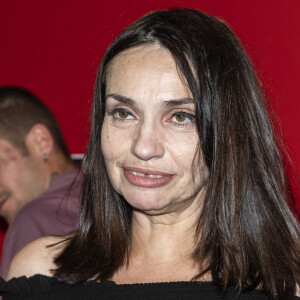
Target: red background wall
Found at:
x=54, y=47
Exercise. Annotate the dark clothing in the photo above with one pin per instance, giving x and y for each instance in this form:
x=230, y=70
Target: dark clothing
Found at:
x=43, y=287
x=54, y=213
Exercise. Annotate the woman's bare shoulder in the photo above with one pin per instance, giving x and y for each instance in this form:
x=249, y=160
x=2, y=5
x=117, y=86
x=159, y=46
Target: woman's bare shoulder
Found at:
x=36, y=257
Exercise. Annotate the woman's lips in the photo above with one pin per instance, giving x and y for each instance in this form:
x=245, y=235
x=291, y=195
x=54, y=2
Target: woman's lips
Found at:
x=146, y=178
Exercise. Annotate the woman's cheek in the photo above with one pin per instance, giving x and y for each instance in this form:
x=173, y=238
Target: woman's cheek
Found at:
x=115, y=142
x=105, y=142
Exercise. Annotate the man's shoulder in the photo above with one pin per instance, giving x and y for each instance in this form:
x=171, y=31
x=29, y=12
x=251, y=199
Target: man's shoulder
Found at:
x=40, y=208
x=47, y=215
x=36, y=257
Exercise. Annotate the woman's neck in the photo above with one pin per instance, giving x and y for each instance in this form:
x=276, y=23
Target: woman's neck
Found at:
x=162, y=238
x=162, y=247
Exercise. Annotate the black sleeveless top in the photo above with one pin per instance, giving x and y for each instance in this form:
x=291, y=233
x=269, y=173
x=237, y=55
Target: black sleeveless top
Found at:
x=44, y=287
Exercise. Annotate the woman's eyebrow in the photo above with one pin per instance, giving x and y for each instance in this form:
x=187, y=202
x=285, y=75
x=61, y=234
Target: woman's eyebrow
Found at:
x=122, y=99
x=177, y=102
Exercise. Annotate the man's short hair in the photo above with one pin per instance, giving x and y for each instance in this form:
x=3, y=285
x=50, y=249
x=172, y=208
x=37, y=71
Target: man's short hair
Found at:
x=20, y=110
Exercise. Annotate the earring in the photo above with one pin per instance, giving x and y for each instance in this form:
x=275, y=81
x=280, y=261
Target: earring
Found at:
x=45, y=157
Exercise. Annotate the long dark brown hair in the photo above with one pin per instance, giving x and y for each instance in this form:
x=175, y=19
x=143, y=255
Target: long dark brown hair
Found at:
x=247, y=233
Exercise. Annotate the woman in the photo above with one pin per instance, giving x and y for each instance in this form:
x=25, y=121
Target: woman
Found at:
x=184, y=186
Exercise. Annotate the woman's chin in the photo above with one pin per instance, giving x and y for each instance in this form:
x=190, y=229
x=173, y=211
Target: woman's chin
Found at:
x=150, y=206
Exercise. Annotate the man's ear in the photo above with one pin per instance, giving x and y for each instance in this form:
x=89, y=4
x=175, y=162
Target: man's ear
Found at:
x=40, y=141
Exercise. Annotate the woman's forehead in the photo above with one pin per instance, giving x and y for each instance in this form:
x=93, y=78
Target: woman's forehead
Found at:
x=147, y=70
x=144, y=56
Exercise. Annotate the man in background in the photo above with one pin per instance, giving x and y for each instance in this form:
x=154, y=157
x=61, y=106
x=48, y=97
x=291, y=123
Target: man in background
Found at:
x=39, y=184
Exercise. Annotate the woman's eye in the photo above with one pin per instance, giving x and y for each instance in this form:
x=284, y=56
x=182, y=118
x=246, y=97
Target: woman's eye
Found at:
x=181, y=118
x=121, y=114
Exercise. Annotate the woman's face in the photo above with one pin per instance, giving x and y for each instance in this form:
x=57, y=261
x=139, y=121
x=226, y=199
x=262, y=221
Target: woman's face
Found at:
x=149, y=136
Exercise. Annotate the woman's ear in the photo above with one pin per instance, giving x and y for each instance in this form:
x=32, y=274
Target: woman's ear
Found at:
x=40, y=141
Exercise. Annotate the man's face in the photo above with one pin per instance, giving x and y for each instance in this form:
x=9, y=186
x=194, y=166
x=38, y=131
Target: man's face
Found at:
x=21, y=179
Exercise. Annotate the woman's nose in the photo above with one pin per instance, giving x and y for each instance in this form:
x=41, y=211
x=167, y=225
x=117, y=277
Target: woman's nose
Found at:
x=147, y=143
